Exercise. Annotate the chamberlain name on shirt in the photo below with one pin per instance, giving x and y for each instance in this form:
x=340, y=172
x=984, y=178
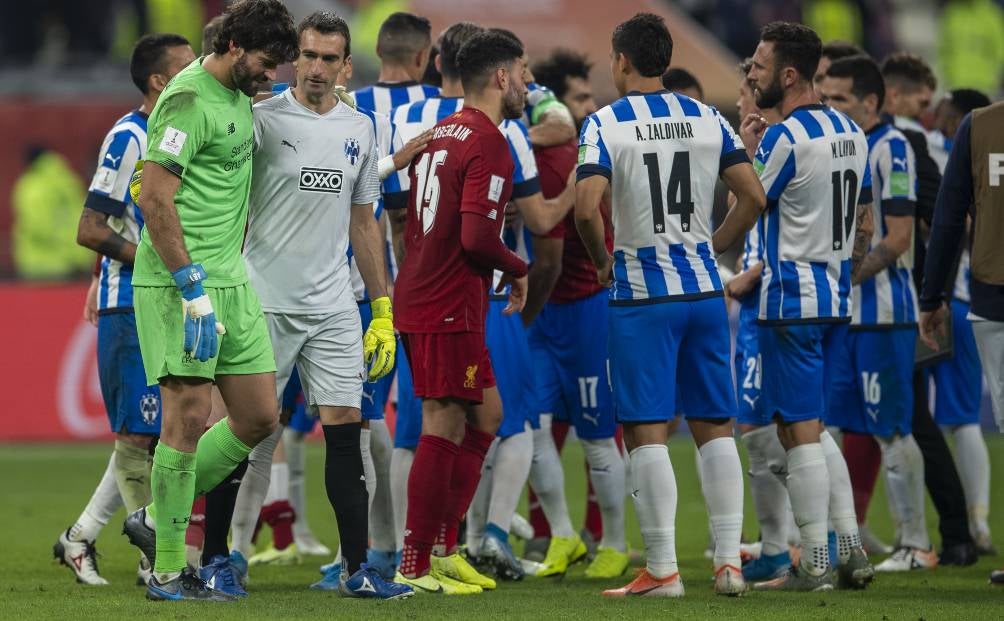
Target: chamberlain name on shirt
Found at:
x=843, y=148
x=453, y=130
x=664, y=131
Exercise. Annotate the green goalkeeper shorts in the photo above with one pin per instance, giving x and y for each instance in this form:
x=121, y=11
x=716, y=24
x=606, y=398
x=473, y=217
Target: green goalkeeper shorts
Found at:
x=160, y=323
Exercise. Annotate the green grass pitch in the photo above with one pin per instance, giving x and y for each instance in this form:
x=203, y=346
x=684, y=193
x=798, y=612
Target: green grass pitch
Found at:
x=46, y=486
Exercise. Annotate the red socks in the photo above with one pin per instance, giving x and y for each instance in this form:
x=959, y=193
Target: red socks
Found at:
x=428, y=487
x=466, y=476
x=195, y=534
x=863, y=457
x=279, y=515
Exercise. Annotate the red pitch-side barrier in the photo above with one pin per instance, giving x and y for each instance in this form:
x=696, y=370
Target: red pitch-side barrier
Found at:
x=50, y=389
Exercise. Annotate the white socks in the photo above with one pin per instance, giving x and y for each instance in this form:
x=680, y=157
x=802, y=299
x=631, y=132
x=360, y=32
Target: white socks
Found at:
x=132, y=474
x=381, y=508
x=722, y=484
x=974, y=469
x=513, y=457
x=842, y=513
x=369, y=470
x=904, y=468
x=477, y=513
x=547, y=478
x=278, y=484
x=653, y=486
x=252, y=493
x=400, y=468
x=767, y=486
x=606, y=471
x=104, y=502
x=293, y=442
x=809, y=490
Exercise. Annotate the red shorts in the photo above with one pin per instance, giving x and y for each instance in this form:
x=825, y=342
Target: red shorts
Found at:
x=451, y=364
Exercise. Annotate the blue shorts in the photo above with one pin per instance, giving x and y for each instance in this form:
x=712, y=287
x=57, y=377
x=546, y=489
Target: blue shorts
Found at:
x=797, y=361
x=568, y=345
x=375, y=394
x=408, y=426
x=131, y=405
x=749, y=367
x=871, y=387
x=958, y=381
x=509, y=351
x=293, y=401
x=669, y=358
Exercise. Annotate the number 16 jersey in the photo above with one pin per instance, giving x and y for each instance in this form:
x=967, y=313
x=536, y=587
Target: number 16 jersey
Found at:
x=662, y=153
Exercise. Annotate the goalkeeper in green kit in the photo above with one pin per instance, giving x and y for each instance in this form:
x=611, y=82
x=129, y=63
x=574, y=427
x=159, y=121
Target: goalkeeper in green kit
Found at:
x=198, y=319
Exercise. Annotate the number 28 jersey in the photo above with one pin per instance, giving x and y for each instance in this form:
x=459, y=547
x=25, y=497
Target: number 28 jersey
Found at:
x=662, y=153
x=814, y=169
x=466, y=167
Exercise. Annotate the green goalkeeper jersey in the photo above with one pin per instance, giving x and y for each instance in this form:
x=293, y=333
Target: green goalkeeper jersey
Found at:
x=202, y=132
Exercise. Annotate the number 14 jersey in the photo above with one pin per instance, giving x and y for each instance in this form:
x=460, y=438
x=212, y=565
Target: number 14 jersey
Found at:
x=662, y=153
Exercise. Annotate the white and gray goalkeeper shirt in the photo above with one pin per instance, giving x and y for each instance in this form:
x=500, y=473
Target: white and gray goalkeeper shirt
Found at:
x=309, y=169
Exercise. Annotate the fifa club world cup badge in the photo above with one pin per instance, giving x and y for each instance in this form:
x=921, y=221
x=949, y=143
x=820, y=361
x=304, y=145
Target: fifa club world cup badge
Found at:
x=352, y=150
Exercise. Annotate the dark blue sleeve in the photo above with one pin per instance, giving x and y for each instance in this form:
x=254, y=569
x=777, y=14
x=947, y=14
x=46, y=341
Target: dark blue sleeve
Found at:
x=955, y=199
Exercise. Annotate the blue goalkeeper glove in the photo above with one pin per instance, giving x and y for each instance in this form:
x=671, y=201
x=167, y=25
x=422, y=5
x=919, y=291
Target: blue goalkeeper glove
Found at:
x=379, y=342
x=201, y=327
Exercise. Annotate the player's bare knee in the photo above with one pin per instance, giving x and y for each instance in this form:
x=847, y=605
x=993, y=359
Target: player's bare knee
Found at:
x=139, y=440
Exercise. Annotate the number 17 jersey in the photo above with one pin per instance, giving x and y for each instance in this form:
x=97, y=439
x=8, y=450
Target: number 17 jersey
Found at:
x=662, y=153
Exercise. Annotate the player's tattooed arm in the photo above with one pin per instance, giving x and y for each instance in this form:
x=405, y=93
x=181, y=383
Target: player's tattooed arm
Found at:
x=160, y=215
x=864, y=228
x=897, y=240
x=93, y=232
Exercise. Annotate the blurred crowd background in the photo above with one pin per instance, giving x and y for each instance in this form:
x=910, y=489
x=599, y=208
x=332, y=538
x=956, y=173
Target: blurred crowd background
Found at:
x=64, y=74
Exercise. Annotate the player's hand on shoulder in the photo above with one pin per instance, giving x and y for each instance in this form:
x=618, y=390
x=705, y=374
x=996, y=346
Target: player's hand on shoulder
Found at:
x=412, y=148
x=136, y=182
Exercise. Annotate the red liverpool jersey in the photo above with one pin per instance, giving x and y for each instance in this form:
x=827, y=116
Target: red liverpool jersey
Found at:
x=466, y=167
x=578, y=276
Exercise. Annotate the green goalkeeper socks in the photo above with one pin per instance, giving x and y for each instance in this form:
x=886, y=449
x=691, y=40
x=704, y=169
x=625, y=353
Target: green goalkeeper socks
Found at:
x=173, y=486
x=219, y=452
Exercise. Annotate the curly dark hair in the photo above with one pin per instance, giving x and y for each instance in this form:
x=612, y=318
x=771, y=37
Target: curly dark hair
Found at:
x=795, y=45
x=554, y=71
x=483, y=53
x=645, y=41
x=264, y=25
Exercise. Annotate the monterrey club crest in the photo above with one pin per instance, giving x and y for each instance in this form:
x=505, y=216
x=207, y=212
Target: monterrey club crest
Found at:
x=352, y=150
x=149, y=407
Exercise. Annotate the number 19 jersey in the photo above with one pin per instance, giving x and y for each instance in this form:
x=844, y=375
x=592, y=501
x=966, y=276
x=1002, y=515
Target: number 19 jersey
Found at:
x=662, y=153
x=814, y=169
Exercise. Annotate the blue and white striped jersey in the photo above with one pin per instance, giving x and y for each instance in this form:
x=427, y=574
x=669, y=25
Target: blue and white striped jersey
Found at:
x=393, y=195
x=814, y=169
x=889, y=298
x=413, y=119
x=662, y=153
x=383, y=97
x=124, y=145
